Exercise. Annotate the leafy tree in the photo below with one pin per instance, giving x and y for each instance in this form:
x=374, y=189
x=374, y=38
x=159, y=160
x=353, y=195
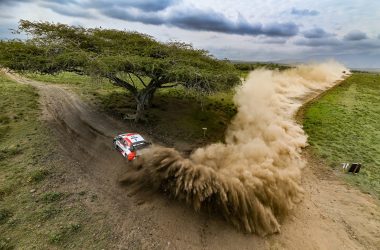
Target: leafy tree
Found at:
x=130, y=60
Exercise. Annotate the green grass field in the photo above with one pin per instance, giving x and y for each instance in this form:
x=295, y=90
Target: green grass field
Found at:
x=344, y=126
x=36, y=212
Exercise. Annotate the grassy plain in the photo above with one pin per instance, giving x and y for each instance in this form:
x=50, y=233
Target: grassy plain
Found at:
x=344, y=126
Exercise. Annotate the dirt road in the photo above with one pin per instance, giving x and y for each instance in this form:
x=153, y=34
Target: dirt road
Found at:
x=333, y=215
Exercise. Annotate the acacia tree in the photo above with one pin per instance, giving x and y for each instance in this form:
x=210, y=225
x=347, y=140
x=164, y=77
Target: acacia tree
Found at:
x=130, y=60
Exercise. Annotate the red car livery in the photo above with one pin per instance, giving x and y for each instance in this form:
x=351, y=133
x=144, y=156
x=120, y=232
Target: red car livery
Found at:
x=130, y=145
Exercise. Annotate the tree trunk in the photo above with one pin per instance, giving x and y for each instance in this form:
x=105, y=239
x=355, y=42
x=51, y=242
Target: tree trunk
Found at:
x=143, y=97
x=150, y=98
x=143, y=100
x=140, y=108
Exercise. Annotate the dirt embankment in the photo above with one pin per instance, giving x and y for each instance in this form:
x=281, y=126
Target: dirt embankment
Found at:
x=332, y=214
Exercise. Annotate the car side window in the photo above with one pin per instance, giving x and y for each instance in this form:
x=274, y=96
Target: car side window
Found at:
x=120, y=139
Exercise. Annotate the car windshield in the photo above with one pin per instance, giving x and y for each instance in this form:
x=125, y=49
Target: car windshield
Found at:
x=140, y=145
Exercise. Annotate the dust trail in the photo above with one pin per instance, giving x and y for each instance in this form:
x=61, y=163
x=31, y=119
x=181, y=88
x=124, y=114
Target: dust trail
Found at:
x=253, y=179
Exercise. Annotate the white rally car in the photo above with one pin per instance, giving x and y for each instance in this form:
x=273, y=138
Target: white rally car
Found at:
x=130, y=145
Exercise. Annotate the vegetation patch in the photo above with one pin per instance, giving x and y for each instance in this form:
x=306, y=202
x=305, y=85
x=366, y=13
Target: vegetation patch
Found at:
x=49, y=197
x=38, y=175
x=5, y=244
x=246, y=67
x=343, y=126
x=4, y=215
x=64, y=233
x=49, y=212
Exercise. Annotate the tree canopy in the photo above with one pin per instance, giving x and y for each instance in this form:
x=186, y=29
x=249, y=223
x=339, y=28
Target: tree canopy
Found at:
x=117, y=55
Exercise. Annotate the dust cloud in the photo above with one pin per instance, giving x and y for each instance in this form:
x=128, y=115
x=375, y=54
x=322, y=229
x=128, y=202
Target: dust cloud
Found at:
x=253, y=179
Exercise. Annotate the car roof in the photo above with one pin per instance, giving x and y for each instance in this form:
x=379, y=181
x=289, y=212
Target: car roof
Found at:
x=131, y=138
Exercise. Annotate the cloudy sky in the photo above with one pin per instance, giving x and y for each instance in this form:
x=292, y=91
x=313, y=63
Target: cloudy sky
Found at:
x=250, y=30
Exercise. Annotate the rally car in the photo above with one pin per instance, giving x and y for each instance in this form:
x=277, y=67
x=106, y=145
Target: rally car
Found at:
x=130, y=145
